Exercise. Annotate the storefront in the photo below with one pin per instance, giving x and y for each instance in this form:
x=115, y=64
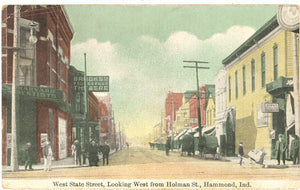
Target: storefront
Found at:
x=281, y=91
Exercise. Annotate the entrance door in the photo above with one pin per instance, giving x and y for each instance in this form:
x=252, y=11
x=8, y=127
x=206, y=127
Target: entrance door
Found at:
x=62, y=137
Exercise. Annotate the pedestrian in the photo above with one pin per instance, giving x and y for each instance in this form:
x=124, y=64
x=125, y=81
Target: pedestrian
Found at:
x=93, y=154
x=28, y=156
x=168, y=147
x=241, y=152
x=295, y=149
x=280, y=149
x=78, y=152
x=73, y=147
x=48, y=156
x=105, y=149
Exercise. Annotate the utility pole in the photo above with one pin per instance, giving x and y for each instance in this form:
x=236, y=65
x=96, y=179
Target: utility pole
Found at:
x=120, y=137
x=198, y=93
x=86, y=131
x=172, y=138
x=14, y=147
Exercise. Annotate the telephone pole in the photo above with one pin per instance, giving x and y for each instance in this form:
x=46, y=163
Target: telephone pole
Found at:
x=86, y=130
x=198, y=93
x=14, y=147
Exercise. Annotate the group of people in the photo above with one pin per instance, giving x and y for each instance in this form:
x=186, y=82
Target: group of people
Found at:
x=93, y=152
x=47, y=153
x=281, y=148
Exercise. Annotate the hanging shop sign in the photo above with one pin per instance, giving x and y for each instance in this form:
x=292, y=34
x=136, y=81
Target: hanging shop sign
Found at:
x=268, y=107
x=94, y=83
x=98, y=83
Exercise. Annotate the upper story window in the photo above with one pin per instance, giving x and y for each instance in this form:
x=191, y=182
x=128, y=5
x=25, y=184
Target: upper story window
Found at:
x=244, y=80
x=253, y=74
x=229, y=88
x=263, y=70
x=236, y=85
x=275, y=60
x=27, y=50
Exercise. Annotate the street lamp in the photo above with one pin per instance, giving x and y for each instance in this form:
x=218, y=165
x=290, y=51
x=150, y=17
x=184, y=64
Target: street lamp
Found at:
x=32, y=39
x=16, y=47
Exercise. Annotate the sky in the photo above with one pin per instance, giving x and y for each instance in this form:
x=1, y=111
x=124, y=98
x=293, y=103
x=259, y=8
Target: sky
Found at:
x=142, y=49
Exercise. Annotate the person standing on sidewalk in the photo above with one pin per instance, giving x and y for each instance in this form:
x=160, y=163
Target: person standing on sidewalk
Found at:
x=105, y=149
x=168, y=147
x=74, y=152
x=78, y=152
x=280, y=149
x=28, y=156
x=93, y=154
x=241, y=152
x=295, y=149
x=48, y=154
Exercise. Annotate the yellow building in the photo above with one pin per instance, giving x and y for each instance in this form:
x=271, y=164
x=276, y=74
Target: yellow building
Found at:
x=182, y=117
x=210, y=111
x=259, y=80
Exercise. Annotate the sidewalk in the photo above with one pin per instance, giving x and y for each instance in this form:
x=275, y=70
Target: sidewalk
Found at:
x=56, y=164
x=267, y=163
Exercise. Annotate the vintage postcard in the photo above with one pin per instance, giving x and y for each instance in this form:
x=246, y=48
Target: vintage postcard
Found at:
x=150, y=96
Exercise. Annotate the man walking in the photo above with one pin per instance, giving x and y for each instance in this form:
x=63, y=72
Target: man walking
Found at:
x=105, y=149
x=47, y=151
x=241, y=152
x=28, y=156
x=280, y=149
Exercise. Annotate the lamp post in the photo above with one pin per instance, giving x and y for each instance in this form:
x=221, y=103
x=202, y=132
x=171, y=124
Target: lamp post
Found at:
x=14, y=101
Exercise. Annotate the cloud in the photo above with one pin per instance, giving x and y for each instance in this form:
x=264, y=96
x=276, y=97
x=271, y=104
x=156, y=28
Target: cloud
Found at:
x=102, y=59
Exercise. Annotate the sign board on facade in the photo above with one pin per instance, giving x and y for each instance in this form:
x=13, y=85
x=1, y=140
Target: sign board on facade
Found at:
x=193, y=120
x=105, y=118
x=268, y=107
x=44, y=93
x=262, y=117
x=44, y=139
x=103, y=134
x=8, y=140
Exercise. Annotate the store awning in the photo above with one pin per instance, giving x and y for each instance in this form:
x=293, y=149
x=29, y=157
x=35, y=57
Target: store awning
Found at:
x=181, y=134
x=208, y=130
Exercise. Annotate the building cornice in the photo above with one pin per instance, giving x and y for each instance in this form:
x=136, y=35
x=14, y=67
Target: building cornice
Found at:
x=255, y=40
x=254, y=47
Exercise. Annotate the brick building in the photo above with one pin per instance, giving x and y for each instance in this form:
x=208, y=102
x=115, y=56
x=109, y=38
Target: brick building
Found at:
x=43, y=81
x=172, y=104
